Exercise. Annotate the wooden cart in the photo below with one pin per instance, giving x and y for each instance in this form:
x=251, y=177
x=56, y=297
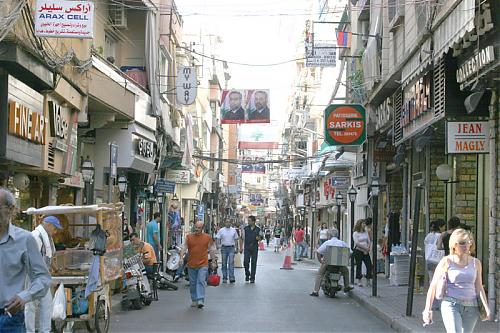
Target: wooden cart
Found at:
x=71, y=265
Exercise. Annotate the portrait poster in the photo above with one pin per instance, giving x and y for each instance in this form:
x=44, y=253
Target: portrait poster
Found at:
x=239, y=106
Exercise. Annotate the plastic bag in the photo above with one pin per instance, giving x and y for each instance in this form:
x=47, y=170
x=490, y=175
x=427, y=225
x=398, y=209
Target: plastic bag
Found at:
x=59, y=304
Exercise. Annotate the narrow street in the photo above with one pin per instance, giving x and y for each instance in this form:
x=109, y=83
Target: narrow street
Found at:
x=279, y=301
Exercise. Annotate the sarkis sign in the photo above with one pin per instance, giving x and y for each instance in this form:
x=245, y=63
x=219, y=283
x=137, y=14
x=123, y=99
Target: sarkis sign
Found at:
x=345, y=124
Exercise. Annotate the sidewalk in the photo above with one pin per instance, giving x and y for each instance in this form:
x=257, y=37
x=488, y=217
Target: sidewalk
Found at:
x=390, y=306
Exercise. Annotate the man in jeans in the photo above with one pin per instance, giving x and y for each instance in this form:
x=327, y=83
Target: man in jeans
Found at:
x=300, y=246
x=227, y=237
x=251, y=237
x=19, y=259
x=198, y=244
x=43, y=235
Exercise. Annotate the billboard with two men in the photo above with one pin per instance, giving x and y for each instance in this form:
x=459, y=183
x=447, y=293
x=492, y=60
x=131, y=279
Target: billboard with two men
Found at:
x=245, y=106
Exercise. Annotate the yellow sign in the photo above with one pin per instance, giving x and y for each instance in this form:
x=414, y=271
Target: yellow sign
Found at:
x=26, y=123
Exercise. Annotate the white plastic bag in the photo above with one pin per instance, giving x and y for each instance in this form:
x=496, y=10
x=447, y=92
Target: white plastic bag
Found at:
x=59, y=304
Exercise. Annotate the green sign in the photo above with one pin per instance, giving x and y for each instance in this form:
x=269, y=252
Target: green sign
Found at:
x=345, y=124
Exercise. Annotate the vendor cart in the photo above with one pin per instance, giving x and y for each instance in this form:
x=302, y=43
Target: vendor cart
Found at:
x=73, y=260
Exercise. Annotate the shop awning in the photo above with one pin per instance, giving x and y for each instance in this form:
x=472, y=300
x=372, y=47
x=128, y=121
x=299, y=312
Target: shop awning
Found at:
x=417, y=63
x=454, y=27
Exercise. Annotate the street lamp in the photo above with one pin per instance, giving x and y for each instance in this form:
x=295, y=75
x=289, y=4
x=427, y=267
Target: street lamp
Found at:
x=87, y=169
x=375, y=185
x=122, y=186
x=352, y=193
x=339, y=198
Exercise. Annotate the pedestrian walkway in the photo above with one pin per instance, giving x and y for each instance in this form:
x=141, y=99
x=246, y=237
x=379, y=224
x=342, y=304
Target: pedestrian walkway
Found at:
x=279, y=301
x=390, y=306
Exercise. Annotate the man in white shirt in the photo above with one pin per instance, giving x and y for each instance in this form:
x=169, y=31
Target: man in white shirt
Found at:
x=227, y=238
x=320, y=253
x=43, y=236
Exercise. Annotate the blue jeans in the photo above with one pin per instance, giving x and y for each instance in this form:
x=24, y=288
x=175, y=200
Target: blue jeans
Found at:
x=14, y=324
x=197, y=283
x=227, y=253
x=300, y=248
x=458, y=318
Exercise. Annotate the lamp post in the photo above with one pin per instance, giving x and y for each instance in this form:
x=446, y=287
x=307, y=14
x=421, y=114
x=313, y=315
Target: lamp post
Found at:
x=374, y=193
x=338, y=199
x=87, y=169
x=122, y=186
x=352, y=193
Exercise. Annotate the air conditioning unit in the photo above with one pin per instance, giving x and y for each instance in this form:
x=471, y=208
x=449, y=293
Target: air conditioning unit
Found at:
x=117, y=15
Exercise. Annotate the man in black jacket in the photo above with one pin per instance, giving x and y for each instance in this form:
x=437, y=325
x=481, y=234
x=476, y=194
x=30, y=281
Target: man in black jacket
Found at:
x=251, y=237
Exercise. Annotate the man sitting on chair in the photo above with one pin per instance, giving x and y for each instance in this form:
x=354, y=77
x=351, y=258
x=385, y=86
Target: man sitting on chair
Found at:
x=147, y=251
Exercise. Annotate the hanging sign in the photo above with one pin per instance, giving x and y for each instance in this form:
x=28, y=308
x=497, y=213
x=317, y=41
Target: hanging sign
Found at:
x=187, y=85
x=179, y=176
x=70, y=19
x=468, y=137
x=345, y=124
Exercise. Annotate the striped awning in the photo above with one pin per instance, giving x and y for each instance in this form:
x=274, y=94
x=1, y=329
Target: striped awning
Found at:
x=454, y=27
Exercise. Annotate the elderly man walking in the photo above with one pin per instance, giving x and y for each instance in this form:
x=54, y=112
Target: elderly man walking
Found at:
x=198, y=244
x=19, y=259
x=43, y=235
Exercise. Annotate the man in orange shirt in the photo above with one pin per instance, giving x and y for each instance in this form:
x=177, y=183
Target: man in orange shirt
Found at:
x=198, y=244
x=147, y=250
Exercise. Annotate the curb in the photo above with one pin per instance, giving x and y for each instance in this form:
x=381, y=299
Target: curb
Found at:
x=396, y=321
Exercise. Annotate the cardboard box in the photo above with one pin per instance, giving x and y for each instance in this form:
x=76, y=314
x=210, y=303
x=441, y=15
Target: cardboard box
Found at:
x=337, y=255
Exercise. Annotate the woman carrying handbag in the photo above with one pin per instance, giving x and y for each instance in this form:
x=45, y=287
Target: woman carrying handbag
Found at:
x=457, y=281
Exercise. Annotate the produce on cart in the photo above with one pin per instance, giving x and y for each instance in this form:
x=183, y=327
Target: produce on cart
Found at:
x=77, y=263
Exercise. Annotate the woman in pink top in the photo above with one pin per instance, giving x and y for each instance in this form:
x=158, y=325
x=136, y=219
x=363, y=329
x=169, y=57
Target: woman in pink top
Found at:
x=464, y=287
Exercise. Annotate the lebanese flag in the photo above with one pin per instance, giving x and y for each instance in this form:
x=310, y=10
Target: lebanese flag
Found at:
x=344, y=38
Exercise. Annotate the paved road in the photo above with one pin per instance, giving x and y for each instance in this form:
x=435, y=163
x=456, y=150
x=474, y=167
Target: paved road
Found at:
x=279, y=301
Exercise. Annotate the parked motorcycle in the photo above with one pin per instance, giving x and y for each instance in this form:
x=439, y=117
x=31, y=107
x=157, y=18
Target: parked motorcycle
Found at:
x=330, y=283
x=136, y=290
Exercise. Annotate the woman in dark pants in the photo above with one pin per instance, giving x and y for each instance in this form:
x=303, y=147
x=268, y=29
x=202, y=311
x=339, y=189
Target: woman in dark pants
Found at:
x=361, y=252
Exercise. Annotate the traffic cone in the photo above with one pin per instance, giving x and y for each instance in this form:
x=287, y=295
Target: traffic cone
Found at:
x=261, y=246
x=287, y=264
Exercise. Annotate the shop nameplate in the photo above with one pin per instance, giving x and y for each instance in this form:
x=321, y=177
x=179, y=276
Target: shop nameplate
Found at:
x=468, y=137
x=475, y=63
x=187, y=85
x=145, y=148
x=179, y=176
x=384, y=114
x=417, y=106
x=58, y=123
x=27, y=123
x=164, y=186
x=58, y=144
x=345, y=124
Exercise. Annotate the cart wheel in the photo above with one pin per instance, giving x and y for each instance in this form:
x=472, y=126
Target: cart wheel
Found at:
x=58, y=325
x=102, y=317
x=137, y=304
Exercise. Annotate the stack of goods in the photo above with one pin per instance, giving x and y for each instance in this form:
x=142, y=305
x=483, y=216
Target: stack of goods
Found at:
x=400, y=269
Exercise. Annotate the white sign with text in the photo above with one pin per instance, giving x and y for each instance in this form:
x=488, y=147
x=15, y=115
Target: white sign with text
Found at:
x=468, y=137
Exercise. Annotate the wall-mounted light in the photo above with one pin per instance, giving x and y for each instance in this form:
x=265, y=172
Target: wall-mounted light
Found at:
x=445, y=172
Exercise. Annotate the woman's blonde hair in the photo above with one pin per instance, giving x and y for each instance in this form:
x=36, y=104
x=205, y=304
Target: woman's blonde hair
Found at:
x=359, y=226
x=460, y=235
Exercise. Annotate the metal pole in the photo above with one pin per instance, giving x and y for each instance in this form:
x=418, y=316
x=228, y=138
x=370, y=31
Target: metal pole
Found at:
x=413, y=258
x=312, y=233
x=338, y=221
x=352, y=242
x=374, y=244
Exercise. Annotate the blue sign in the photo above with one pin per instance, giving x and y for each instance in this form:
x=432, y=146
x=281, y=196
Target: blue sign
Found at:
x=201, y=211
x=164, y=186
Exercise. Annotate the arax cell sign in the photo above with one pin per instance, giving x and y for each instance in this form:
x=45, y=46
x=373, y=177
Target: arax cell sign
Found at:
x=345, y=124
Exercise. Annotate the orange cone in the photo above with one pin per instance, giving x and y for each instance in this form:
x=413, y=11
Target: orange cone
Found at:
x=261, y=246
x=287, y=264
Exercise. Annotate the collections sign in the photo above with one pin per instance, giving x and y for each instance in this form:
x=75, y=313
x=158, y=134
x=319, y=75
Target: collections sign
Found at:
x=345, y=124
x=475, y=63
x=70, y=19
x=179, y=176
x=26, y=123
x=468, y=137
